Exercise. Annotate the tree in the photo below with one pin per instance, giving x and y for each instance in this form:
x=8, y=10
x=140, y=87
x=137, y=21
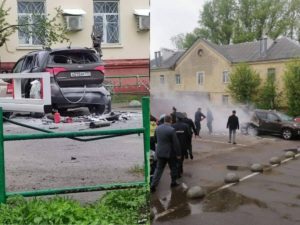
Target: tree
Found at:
x=178, y=41
x=268, y=95
x=47, y=29
x=292, y=87
x=244, y=84
x=217, y=20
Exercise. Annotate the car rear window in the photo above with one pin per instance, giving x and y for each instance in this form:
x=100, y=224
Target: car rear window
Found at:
x=73, y=57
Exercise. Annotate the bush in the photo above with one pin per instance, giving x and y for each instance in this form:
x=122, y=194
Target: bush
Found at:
x=116, y=207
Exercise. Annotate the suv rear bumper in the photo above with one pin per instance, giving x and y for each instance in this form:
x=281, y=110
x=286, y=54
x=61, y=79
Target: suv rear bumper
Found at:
x=79, y=96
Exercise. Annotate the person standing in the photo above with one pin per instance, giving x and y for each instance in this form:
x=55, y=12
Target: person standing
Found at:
x=233, y=124
x=153, y=125
x=209, y=118
x=192, y=128
x=199, y=116
x=173, y=114
x=167, y=151
x=184, y=136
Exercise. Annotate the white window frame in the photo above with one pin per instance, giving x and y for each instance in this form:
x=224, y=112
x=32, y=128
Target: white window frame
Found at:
x=162, y=79
x=30, y=20
x=104, y=38
x=225, y=77
x=177, y=79
x=198, y=74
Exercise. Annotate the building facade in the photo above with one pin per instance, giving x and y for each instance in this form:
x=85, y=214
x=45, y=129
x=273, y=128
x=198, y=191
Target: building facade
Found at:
x=204, y=69
x=124, y=24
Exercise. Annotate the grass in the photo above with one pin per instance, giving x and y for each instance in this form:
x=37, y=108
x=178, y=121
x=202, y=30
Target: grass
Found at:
x=125, y=207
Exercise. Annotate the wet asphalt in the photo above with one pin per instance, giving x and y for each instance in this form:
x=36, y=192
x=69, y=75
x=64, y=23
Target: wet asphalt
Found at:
x=272, y=197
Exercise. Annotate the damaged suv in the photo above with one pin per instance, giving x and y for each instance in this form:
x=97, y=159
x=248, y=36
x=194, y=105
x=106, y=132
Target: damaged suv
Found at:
x=273, y=122
x=76, y=74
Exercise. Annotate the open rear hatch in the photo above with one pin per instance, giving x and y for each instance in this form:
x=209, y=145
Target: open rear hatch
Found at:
x=75, y=68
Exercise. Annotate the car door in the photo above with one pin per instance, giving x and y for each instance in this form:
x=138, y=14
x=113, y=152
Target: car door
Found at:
x=273, y=123
x=262, y=118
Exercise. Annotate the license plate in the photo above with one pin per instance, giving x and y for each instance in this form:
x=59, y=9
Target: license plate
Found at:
x=80, y=74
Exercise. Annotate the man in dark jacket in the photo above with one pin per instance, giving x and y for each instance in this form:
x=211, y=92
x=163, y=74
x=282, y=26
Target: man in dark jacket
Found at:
x=199, y=116
x=233, y=124
x=184, y=137
x=167, y=151
x=173, y=115
x=192, y=128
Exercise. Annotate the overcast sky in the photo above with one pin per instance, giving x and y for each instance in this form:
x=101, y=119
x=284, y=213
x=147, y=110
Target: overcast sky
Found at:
x=171, y=17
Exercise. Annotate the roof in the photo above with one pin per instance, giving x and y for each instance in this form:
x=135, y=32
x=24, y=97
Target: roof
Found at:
x=167, y=63
x=282, y=48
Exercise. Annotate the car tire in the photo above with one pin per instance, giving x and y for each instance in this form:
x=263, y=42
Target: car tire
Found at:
x=287, y=134
x=98, y=109
x=252, y=130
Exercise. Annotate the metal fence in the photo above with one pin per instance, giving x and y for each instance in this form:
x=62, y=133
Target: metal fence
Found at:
x=145, y=130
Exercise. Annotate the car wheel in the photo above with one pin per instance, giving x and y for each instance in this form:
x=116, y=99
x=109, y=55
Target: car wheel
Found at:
x=98, y=109
x=252, y=130
x=287, y=134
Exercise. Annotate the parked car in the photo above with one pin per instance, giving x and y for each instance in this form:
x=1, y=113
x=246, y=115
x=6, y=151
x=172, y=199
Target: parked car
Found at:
x=297, y=119
x=273, y=122
x=77, y=76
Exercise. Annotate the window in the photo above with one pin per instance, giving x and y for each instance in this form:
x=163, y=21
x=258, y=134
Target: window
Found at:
x=162, y=79
x=271, y=73
x=225, y=99
x=29, y=12
x=272, y=117
x=200, y=78
x=225, y=77
x=106, y=19
x=177, y=79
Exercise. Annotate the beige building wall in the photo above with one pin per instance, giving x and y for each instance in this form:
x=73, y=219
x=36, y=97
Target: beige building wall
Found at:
x=213, y=65
x=133, y=44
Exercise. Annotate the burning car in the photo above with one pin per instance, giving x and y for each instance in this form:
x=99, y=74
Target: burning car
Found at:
x=273, y=122
x=77, y=76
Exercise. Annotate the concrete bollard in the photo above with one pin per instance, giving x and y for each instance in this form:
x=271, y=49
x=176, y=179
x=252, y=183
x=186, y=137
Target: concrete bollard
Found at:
x=231, y=178
x=289, y=154
x=256, y=167
x=275, y=160
x=195, y=192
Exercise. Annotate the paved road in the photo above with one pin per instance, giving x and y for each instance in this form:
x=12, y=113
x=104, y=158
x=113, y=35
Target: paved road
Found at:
x=269, y=198
x=54, y=163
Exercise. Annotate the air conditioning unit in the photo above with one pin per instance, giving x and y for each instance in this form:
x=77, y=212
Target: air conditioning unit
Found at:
x=143, y=23
x=74, y=23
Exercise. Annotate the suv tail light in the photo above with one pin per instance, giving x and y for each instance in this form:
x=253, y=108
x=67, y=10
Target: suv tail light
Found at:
x=55, y=70
x=100, y=68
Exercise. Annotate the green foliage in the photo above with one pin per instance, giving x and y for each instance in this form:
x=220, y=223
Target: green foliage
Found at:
x=47, y=29
x=236, y=21
x=292, y=87
x=268, y=96
x=244, y=84
x=5, y=28
x=116, y=207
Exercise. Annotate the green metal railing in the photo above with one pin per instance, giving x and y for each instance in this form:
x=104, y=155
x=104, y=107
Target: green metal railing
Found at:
x=101, y=134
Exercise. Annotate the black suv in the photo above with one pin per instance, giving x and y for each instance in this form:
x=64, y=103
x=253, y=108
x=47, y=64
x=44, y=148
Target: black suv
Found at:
x=273, y=122
x=77, y=76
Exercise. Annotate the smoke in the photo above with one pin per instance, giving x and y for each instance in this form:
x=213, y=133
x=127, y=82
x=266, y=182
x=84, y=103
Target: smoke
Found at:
x=163, y=101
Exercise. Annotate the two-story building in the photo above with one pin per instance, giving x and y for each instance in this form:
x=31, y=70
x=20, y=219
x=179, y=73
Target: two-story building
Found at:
x=203, y=70
x=125, y=26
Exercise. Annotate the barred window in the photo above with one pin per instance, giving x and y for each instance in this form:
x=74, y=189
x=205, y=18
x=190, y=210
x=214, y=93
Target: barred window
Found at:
x=29, y=12
x=225, y=77
x=106, y=19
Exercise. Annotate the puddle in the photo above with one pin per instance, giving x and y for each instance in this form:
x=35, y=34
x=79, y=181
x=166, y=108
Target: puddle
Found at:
x=176, y=205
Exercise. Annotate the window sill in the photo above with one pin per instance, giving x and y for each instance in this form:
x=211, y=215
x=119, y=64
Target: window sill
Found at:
x=29, y=47
x=107, y=46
